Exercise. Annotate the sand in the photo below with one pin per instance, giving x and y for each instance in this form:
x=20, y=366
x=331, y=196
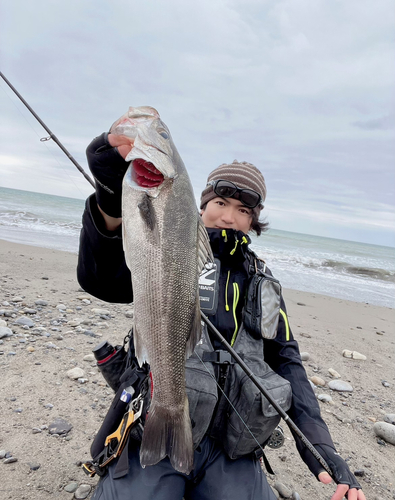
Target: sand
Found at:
x=35, y=388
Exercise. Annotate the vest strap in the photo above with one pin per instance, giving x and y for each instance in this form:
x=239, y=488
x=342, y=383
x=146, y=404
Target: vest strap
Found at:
x=219, y=357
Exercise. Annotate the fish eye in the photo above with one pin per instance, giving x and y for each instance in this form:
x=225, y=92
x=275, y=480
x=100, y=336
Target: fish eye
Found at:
x=164, y=134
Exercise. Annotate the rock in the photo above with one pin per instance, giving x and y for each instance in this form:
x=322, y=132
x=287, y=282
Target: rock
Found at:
x=5, y=332
x=284, y=491
x=325, y=398
x=82, y=492
x=312, y=385
x=71, y=487
x=3, y=322
x=10, y=460
x=86, y=301
x=23, y=321
x=129, y=313
x=359, y=473
x=318, y=381
x=74, y=322
x=305, y=356
x=390, y=418
x=333, y=373
x=295, y=496
x=275, y=493
x=83, y=297
x=99, y=311
x=76, y=373
x=89, y=357
x=340, y=386
x=36, y=430
x=17, y=299
x=34, y=466
x=385, y=431
x=306, y=335
x=41, y=302
x=2, y=454
x=353, y=355
x=385, y=383
x=27, y=310
x=59, y=426
x=61, y=306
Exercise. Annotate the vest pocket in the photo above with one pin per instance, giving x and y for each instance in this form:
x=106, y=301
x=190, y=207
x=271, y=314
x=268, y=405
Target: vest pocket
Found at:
x=256, y=411
x=202, y=397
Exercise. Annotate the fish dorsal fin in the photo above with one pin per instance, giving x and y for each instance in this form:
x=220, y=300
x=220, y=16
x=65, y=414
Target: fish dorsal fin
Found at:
x=205, y=255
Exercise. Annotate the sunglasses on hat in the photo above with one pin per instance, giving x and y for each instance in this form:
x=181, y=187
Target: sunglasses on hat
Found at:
x=227, y=189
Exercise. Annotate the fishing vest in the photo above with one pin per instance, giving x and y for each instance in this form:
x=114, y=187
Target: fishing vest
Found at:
x=238, y=415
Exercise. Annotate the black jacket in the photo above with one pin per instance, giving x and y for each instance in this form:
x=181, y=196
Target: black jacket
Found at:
x=102, y=272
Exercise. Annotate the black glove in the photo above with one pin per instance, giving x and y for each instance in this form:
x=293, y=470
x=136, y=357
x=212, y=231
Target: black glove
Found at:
x=340, y=470
x=108, y=168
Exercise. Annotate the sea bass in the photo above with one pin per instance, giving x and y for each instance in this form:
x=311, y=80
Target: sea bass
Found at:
x=166, y=247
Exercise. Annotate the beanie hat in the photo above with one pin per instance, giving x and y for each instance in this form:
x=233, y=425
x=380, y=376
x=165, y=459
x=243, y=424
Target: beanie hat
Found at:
x=243, y=174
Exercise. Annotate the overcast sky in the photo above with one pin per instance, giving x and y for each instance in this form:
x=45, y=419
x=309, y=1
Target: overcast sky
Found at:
x=304, y=89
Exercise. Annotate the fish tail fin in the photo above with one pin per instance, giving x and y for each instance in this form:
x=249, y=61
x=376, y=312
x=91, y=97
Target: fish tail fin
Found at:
x=168, y=433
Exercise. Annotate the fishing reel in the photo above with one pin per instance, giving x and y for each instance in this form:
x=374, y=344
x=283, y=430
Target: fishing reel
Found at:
x=277, y=438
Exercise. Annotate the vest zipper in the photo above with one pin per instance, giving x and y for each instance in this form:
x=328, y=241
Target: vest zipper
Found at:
x=226, y=292
x=236, y=294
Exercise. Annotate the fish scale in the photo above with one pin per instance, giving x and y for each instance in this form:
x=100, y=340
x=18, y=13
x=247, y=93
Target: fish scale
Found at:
x=166, y=247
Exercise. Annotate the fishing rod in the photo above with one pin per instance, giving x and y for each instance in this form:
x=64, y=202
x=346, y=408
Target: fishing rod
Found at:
x=291, y=424
x=51, y=134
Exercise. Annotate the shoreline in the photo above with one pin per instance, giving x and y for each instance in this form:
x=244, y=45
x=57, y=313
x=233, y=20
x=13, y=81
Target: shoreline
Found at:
x=36, y=389
x=69, y=255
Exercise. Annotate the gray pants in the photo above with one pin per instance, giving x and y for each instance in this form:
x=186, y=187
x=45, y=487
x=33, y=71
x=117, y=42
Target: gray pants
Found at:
x=214, y=477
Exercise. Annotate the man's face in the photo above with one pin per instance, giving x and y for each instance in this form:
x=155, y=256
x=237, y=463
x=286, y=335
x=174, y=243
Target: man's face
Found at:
x=227, y=213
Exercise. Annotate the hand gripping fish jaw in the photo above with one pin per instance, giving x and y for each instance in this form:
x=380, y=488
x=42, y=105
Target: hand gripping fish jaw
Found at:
x=115, y=442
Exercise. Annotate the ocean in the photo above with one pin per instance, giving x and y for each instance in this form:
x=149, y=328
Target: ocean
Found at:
x=338, y=268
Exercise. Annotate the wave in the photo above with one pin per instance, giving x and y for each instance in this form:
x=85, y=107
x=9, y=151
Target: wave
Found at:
x=368, y=272
x=28, y=220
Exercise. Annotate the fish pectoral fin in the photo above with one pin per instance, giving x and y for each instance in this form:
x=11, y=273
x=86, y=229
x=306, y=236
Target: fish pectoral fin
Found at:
x=147, y=213
x=205, y=253
x=168, y=433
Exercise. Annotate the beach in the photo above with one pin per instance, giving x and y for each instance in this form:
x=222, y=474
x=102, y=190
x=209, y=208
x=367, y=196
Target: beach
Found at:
x=63, y=323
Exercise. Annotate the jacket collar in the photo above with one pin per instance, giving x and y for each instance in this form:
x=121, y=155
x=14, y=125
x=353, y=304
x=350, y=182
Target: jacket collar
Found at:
x=229, y=245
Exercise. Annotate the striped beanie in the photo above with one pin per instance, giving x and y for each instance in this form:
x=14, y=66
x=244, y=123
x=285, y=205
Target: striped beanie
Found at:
x=243, y=174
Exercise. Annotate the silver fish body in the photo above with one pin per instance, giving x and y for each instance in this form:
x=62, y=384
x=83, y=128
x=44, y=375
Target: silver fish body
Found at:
x=166, y=247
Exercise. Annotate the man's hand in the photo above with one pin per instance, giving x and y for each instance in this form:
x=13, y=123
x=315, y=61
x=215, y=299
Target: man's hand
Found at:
x=106, y=158
x=342, y=490
x=347, y=485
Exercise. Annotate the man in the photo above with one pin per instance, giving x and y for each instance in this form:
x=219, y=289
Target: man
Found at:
x=226, y=462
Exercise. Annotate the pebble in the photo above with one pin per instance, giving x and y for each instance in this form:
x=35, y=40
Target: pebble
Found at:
x=61, y=306
x=71, y=487
x=305, y=356
x=385, y=383
x=318, y=380
x=385, y=431
x=82, y=492
x=83, y=297
x=74, y=322
x=3, y=322
x=340, y=386
x=89, y=357
x=5, y=332
x=10, y=460
x=34, y=466
x=49, y=406
x=333, y=373
x=130, y=313
x=11, y=353
x=59, y=426
x=325, y=398
x=22, y=320
x=41, y=302
x=359, y=473
x=306, y=335
x=353, y=355
x=284, y=491
x=76, y=373
x=36, y=430
x=390, y=418
x=98, y=311
x=17, y=299
x=2, y=454
x=86, y=301
x=27, y=310
x=295, y=496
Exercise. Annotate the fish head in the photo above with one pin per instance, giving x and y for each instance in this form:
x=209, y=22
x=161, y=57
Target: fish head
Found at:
x=154, y=158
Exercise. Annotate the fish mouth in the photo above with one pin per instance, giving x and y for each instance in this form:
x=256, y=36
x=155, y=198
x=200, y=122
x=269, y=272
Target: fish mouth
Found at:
x=145, y=174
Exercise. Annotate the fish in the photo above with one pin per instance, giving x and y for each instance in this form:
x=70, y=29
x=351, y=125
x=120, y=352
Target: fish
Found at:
x=166, y=247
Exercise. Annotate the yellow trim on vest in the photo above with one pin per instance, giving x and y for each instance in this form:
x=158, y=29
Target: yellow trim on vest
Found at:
x=236, y=294
x=224, y=235
x=283, y=314
x=234, y=250
x=226, y=292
